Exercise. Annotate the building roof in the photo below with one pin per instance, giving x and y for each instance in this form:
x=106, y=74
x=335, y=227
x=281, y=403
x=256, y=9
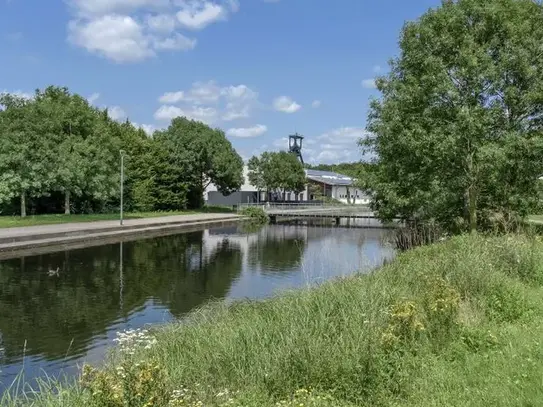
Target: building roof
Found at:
x=329, y=178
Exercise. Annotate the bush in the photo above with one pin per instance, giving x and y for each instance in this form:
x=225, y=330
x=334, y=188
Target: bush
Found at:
x=256, y=215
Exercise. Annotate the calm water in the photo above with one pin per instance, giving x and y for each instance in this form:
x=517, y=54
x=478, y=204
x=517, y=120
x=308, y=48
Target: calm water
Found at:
x=51, y=324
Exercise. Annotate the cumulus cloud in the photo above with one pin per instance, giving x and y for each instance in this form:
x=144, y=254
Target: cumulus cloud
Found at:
x=119, y=38
x=161, y=23
x=316, y=104
x=286, y=105
x=228, y=102
x=199, y=14
x=247, y=132
x=90, y=8
x=199, y=93
x=175, y=42
x=206, y=115
x=126, y=31
x=147, y=128
x=93, y=98
x=117, y=113
x=18, y=93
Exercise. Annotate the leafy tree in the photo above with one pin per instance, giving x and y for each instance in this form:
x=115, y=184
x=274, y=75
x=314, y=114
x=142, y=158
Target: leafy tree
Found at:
x=26, y=154
x=84, y=151
x=205, y=155
x=277, y=171
x=457, y=132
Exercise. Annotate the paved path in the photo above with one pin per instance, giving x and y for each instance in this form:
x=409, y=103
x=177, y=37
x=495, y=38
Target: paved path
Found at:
x=33, y=237
x=109, y=224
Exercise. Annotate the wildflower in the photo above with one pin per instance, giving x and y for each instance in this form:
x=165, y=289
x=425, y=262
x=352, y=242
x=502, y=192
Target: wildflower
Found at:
x=131, y=340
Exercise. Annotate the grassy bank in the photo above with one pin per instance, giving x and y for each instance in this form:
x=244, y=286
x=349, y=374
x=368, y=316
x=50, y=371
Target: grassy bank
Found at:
x=17, y=221
x=459, y=323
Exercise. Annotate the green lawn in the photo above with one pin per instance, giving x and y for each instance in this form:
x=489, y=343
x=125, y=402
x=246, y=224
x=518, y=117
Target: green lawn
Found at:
x=459, y=323
x=17, y=221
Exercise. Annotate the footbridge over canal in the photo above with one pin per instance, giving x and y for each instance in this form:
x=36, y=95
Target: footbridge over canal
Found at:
x=304, y=210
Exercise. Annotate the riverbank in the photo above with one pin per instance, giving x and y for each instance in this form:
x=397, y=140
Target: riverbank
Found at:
x=54, y=219
x=33, y=239
x=454, y=324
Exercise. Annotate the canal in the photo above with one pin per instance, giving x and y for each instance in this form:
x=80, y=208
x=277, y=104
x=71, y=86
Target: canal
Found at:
x=61, y=309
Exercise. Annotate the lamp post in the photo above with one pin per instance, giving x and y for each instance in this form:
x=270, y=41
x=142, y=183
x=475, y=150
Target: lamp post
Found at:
x=121, y=152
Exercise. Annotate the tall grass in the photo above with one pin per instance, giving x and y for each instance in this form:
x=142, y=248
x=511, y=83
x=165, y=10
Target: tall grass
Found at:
x=458, y=323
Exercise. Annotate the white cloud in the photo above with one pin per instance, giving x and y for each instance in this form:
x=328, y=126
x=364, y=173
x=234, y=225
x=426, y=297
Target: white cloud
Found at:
x=93, y=98
x=240, y=100
x=230, y=102
x=377, y=68
x=234, y=112
x=198, y=14
x=369, y=84
x=133, y=30
x=199, y=93
x=175, y=42
x=246, y=132
x=161, y=23
x=203, y=114
x=101, y=7
x=172, y=97
x=316, y=104
x=116, y=113
x=147, y=128
x=119, y=38
x=286, y=104
x=338, y=145
x=18, y=93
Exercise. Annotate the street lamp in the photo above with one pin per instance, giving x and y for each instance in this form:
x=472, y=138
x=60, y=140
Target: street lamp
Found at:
x=121, y=152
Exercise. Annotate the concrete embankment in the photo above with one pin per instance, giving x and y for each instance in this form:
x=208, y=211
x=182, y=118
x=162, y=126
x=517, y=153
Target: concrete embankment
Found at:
x=22, y=241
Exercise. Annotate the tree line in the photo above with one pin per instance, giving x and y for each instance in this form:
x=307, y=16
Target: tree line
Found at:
x=59, y=152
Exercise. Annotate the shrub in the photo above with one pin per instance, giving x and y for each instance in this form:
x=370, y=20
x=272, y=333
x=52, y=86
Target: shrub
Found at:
x=256, y=215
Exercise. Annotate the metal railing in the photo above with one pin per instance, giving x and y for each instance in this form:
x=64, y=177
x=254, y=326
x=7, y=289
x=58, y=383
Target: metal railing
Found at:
x=292, y=206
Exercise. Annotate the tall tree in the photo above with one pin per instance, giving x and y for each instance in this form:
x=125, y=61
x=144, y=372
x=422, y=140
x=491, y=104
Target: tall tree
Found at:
x=26, y=154
x=206, y=155
x=277, y=172
x=83, y=154
x=457, y=132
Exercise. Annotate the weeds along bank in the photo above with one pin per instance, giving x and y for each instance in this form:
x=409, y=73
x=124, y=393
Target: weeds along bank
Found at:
x=454, y=324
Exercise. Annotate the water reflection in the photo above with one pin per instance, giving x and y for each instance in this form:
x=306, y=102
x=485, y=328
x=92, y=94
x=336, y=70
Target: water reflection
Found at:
x=49, y=322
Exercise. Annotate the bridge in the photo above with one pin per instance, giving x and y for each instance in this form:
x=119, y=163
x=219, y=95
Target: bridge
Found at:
x=294, y=210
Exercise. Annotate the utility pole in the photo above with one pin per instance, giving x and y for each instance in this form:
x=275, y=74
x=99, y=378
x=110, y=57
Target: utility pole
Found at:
x=121, y=152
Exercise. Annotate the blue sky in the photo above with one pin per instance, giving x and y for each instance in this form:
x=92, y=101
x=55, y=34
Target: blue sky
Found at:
x=258, y=69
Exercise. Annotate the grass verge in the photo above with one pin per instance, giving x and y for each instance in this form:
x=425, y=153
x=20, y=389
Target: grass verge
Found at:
x=459, y=323
x=17, y=221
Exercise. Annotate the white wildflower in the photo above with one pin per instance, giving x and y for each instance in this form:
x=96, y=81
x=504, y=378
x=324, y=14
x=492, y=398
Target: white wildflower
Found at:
x=133, y=339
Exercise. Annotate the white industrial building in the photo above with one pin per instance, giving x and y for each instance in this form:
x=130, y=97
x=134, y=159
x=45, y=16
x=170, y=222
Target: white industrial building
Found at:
x=334, y=185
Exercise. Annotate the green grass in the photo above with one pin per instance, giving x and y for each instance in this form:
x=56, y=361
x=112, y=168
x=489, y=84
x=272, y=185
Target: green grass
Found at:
x=17, y=221
x=535, y=218
x=458, y=323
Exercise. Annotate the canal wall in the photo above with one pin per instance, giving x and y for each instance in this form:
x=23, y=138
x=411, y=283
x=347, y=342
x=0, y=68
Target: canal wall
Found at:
x=31, y=240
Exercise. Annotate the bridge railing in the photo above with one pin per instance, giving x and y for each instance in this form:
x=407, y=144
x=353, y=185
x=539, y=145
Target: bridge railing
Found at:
x=289, y=206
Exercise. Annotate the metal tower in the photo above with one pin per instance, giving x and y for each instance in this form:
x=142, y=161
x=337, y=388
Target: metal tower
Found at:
x=295, y=142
